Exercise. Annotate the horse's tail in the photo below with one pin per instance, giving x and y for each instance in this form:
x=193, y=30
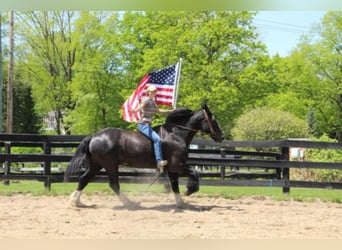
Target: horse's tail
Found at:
x=79, y=160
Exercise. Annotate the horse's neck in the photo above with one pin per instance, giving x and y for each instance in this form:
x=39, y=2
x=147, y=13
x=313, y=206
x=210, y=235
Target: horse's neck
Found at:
x=181, y=135
x=193, y=128
x=184, y=131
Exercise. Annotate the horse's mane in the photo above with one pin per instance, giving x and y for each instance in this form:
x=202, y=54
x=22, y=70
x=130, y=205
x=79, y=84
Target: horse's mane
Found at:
x=178, y=115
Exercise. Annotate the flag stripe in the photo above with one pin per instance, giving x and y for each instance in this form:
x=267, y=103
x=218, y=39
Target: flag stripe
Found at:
x=164, y=80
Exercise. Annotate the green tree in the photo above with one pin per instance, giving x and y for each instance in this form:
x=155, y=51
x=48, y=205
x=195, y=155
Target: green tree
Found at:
x=292, y=79
x=222, y=47
x=25, y=120
x=312, y=123
x=320, y=54
x=47, y=49
x=97, y=83
x=84, y=65
x=217, y=49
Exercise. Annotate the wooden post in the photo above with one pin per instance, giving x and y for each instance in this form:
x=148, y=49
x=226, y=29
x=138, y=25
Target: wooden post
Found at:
x=7, y=169
x=47, y=166
x=278, y=170
x=223, y=168
x=285, y=156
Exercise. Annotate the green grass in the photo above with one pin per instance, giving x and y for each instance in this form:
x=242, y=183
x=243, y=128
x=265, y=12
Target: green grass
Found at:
x=275, y=193
x=298, y=194
x=37, y=188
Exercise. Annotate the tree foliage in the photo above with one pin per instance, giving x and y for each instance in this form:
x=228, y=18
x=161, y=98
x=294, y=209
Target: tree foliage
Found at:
x=25, y=120
x=83, y=65
x=49, y=54
x=97, y=80
x=112, y=54
x=310, y=78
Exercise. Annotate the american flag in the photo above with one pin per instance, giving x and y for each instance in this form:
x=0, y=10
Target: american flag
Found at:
x=164, y=79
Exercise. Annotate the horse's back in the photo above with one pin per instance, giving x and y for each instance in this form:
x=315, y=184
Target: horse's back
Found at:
x=122, y=147
x=103, y=141
x=126, y=147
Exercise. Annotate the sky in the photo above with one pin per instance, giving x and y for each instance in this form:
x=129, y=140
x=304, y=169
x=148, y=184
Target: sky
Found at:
x=281, y=30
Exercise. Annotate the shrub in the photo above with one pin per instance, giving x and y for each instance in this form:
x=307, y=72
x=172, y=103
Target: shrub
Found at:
x=268, y=124
x=325, y=155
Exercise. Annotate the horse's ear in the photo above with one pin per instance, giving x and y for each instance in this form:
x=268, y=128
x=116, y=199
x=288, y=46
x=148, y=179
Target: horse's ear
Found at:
x=204, y=104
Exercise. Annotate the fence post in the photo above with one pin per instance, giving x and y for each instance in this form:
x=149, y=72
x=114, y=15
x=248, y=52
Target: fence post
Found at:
x=223, y=168
x=285, y=156
x=278, y=170
x=7, y=169
x=47, y=166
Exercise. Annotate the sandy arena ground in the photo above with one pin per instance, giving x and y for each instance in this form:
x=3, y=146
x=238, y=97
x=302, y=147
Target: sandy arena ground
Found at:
x=156, y=217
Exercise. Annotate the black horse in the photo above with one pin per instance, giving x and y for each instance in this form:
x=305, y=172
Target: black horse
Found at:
x=112, y=147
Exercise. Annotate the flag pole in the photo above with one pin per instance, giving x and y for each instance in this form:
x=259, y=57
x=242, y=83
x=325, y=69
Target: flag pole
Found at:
x=177, y=82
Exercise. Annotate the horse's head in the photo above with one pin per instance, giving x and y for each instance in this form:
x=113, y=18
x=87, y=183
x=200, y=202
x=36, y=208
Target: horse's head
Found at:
x=186, y=120
x=210, y=125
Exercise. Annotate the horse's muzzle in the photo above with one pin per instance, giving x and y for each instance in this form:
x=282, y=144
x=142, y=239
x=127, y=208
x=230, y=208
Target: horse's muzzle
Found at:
x=217, y=137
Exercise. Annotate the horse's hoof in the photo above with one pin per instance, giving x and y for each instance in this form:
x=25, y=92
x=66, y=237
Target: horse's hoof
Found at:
x=191, y=190
x=128, y=203
x=179, y=201
x=82, y=205
x=133, y=205
x=180, y=205
x=77, y=204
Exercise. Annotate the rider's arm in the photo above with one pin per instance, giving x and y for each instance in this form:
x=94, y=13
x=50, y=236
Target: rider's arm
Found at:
x=164, y=111
x=140, y=107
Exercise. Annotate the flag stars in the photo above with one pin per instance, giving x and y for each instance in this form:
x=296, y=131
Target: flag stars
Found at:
x=164, y=76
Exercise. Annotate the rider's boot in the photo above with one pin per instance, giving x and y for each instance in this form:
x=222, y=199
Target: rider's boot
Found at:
x=161, y=164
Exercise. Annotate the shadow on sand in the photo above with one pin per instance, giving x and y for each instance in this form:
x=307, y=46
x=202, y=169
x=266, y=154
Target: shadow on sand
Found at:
x=173, y=207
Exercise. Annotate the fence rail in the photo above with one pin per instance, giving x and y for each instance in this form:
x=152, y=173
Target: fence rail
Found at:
x=227, y=157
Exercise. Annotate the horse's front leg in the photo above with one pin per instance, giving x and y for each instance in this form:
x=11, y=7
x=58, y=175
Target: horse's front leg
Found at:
x=192, y=185
x=175, y=188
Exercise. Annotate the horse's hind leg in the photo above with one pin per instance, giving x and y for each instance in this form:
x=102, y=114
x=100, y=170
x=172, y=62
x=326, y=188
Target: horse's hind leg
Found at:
x=113, y=176
x=88, y=175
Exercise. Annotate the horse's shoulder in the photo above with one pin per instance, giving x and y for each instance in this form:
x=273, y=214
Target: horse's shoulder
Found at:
x=174, y=140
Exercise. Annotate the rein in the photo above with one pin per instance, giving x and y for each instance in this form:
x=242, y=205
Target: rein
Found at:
x=194, y=130
x=186, y=128
x=212, y=132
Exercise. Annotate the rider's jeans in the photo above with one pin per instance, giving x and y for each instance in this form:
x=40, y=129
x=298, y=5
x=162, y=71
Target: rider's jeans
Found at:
x=146, y=130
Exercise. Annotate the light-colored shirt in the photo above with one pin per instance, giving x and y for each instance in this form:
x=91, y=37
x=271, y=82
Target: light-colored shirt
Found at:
x=148, y=110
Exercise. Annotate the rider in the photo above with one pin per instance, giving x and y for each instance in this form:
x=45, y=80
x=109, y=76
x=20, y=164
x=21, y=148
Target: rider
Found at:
x=148, y=107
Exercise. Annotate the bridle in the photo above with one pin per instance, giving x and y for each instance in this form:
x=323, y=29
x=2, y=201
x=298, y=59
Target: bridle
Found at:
x=212, y=132
x=210, y=125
